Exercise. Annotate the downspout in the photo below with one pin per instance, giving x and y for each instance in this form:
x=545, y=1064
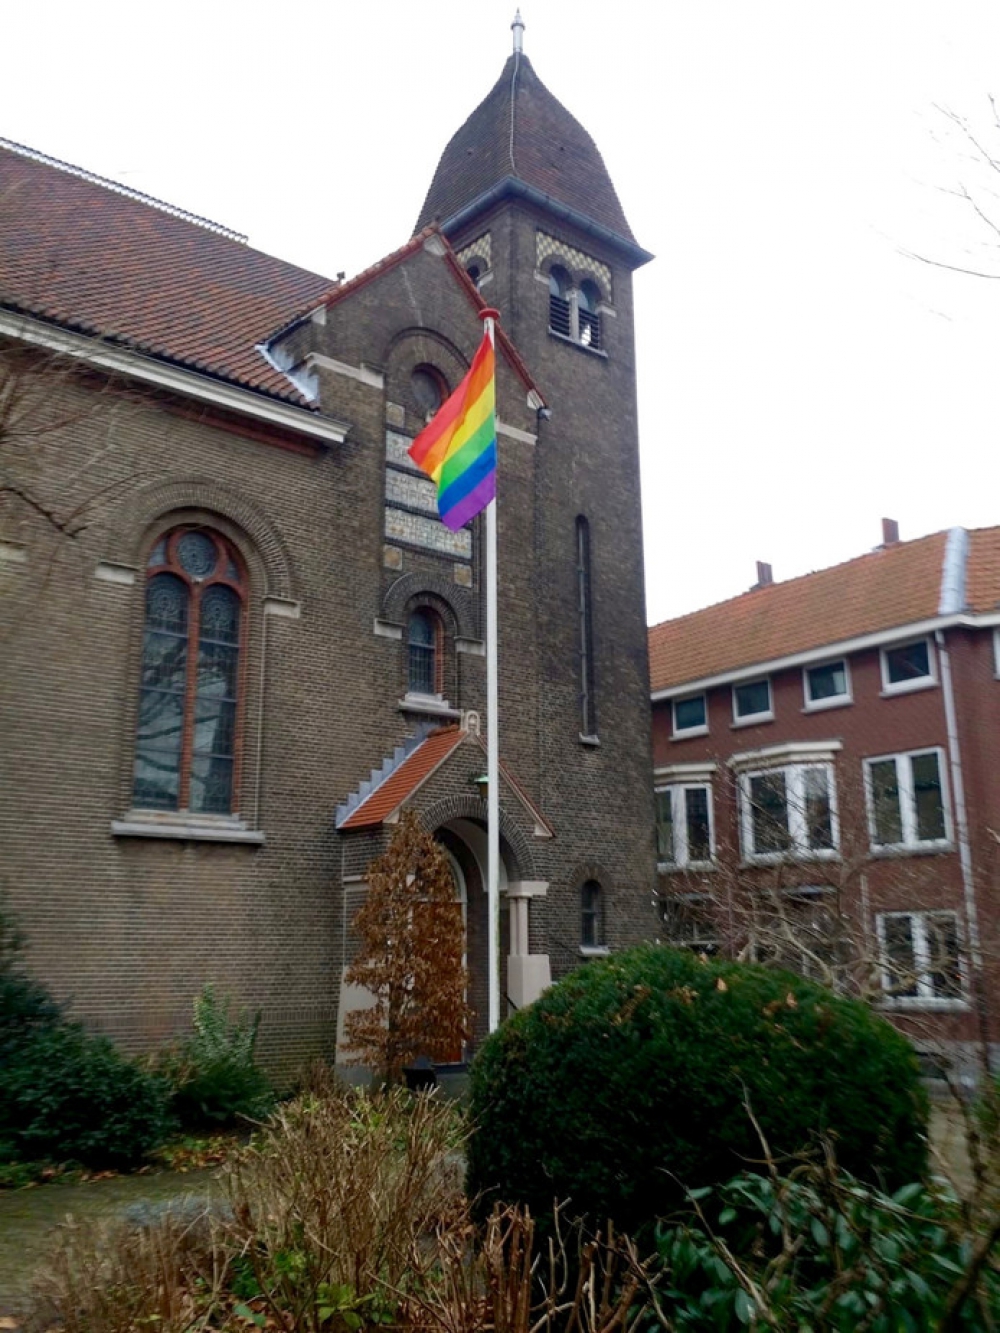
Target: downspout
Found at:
x=952, y=599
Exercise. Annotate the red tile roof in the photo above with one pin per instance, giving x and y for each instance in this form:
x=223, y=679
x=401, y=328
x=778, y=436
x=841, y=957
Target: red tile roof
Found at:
x=81, y=253
x=893, y=586
x=982, y=580
x=520, y=130
x=403, y=781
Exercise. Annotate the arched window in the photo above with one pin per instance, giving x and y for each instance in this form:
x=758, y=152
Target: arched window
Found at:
x=591, y=915
x=424, y=653
x=429, y=389
x=189, y=701
x=587, y=300
x=560, y=320
x=585, y=614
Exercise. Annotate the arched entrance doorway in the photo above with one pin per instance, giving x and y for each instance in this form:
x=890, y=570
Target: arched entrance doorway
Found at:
x=465, y=842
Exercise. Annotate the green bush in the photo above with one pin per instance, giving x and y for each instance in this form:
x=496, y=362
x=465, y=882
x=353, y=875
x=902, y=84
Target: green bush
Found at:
x=69, y=1096
x=26, y=1007
x=215, y=1077
x=629, y=1081
x=820, y=1250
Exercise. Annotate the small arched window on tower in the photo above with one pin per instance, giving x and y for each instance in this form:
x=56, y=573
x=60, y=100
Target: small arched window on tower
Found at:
x=591, y=916
x=560, y=317
x=587, y=302
x=189, y=699
x=585, y=613
x=423, y=645
x=429, y=389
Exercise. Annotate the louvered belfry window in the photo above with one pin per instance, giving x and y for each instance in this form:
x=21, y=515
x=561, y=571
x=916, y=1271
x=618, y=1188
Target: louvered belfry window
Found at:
x=587, y=301
x=560, y=319
x=189, y=702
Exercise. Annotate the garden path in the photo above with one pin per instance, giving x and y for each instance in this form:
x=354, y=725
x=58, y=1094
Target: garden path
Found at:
x=28, y=1217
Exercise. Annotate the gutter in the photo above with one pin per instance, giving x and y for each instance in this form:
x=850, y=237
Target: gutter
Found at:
x=512, y=186
x=187, y=383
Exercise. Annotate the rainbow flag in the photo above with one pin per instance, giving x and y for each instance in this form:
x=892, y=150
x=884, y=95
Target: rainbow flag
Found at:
x=458, y=449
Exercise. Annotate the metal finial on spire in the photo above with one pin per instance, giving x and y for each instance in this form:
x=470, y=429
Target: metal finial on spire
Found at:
x=517, y=27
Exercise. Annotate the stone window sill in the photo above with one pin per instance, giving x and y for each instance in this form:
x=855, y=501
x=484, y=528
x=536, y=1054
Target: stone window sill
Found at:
x=138, y=825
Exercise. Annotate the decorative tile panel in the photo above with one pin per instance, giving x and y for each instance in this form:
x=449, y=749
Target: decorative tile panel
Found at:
x=395, y=414
x=396, y=447
x=403, y=489
x=429, y=533
x=480, y=248
x=547, y=247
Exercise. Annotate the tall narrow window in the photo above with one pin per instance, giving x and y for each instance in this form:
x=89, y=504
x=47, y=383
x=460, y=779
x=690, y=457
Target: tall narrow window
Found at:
x=588, y=697
x=423, y=653
x=189, y=702
x=559, y=309
x=591, y=916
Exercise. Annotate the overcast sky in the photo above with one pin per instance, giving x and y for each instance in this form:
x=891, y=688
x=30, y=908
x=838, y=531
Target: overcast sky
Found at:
x=800, y=376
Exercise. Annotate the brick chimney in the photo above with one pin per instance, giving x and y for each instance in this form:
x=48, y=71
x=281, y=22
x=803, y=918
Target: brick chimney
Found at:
x=890, y=532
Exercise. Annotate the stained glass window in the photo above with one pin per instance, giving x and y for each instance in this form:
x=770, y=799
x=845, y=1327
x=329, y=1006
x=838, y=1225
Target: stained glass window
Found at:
x=189, y=697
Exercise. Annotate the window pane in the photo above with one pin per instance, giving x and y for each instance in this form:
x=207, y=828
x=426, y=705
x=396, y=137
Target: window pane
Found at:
x=909, y=662
x=689, y=713
x=422, y=638
x=699, y=842
x=197, y=554
x=885, y=803
x=769, y=813
x=211, y=784
x=927, y=797
x=590, y=922
x=900, y=963
x=942, y=950
x=819, y=819
x=156, y=780
x=665, y=826
x=753, y=698
x=827, y=682
x=220, y=615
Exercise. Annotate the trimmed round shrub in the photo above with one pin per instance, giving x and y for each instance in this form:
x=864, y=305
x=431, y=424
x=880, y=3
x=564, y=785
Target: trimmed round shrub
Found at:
x=69, y=1096
x=629, y=1081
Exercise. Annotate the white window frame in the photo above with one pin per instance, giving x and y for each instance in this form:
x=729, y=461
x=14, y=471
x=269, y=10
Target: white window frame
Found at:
x=835, y=700
x=682, y=733
x=907, y=804
x=678, y=808
x=925, y=997
x=908, y=686
x=748, y=719
x=794, y=775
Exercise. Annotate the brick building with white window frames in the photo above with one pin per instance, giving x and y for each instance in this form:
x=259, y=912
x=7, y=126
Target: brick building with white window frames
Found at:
x=840, y=731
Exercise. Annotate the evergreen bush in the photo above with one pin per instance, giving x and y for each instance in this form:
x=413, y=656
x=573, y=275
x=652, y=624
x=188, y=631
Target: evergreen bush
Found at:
x=69, y=1096
x=629, y=1082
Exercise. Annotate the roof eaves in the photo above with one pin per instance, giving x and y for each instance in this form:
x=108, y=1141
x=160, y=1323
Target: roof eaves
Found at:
x=817, y=654
x=134, y=362
x=514, y=187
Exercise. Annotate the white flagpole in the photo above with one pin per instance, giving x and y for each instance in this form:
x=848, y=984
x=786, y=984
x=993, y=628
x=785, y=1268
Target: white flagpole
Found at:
x=492, y=747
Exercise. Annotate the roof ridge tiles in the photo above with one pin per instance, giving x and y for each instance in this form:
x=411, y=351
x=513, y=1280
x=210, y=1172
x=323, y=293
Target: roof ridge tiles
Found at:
x=129, y=192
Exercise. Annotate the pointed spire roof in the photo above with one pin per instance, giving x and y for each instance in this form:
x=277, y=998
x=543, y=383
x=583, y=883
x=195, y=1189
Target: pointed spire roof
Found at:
x=521, y=141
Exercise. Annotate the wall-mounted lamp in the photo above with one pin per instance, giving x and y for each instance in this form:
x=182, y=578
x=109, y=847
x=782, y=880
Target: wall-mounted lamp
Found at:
x=481, y=782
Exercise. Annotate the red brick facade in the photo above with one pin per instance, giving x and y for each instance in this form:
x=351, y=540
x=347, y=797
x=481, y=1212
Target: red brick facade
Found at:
x=900, y=863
